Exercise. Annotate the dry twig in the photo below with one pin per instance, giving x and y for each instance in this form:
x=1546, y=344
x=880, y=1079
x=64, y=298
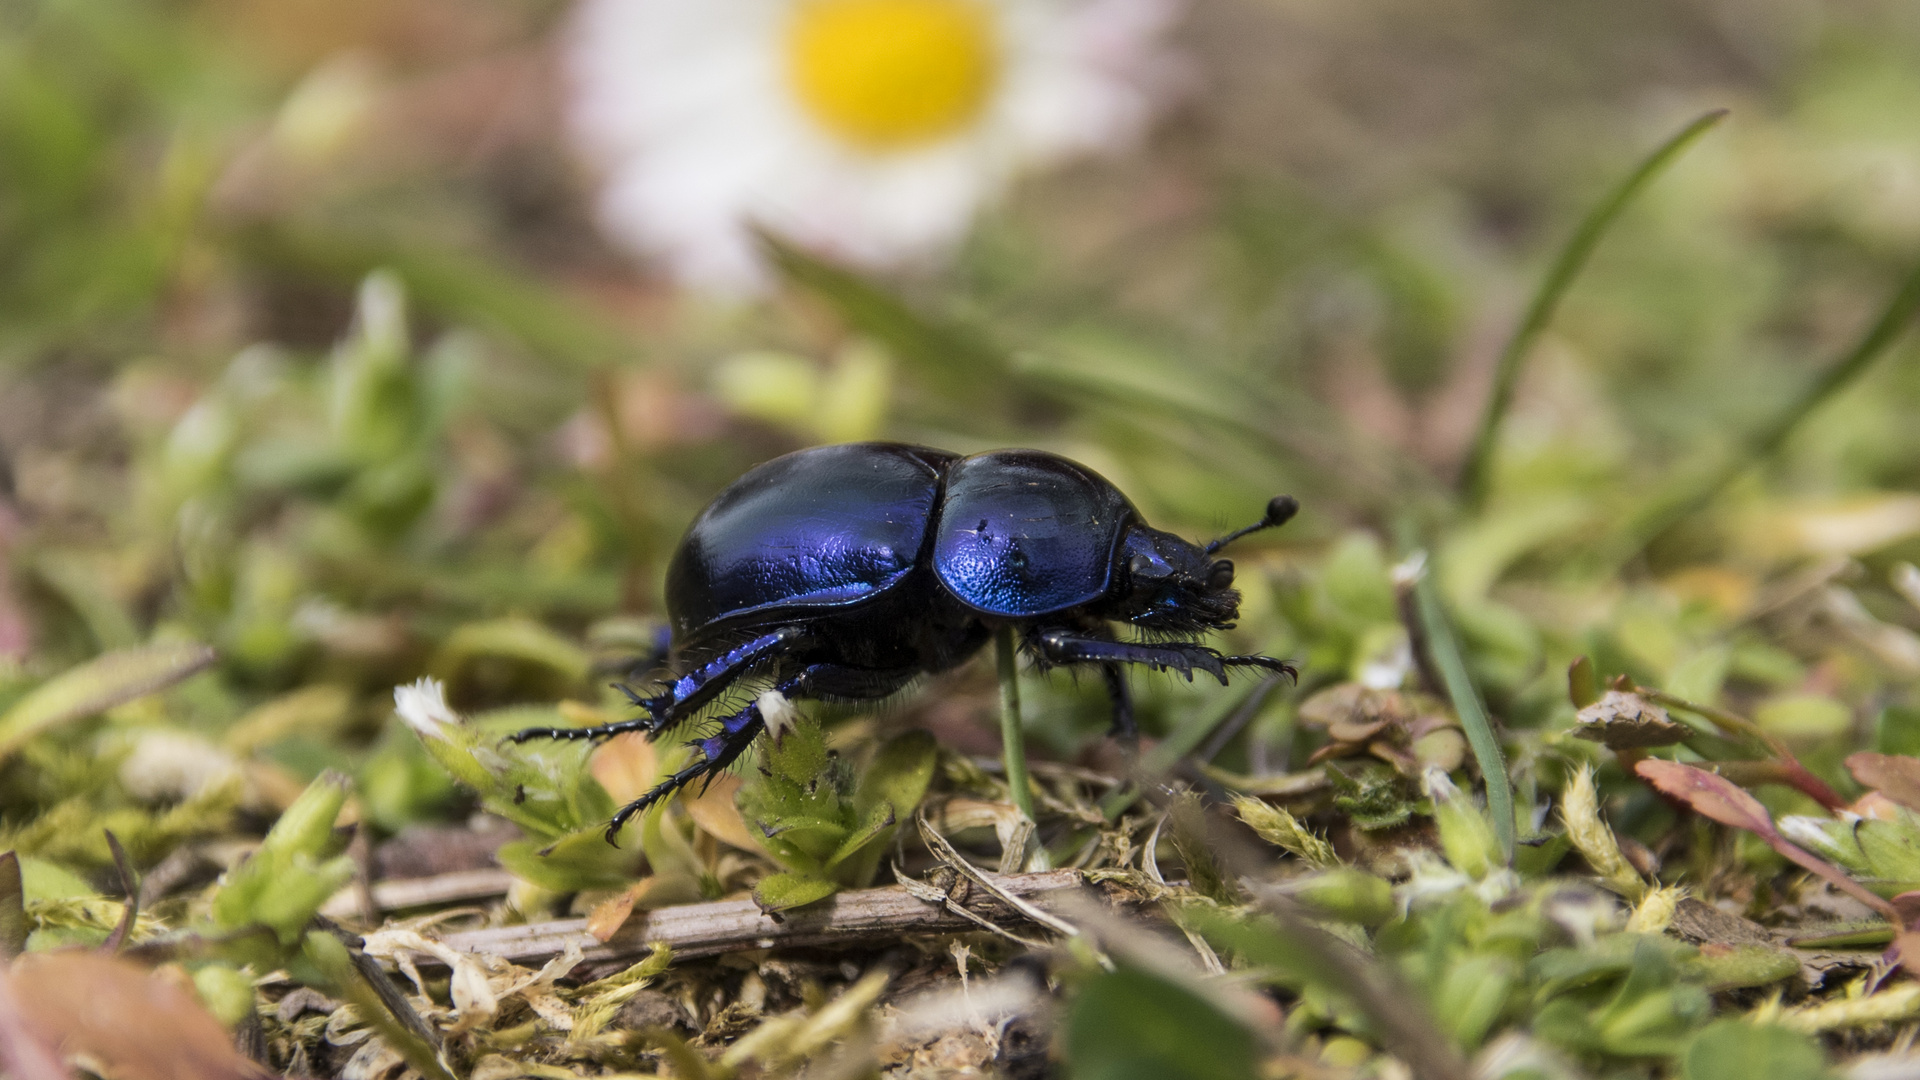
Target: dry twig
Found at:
x=693, y=930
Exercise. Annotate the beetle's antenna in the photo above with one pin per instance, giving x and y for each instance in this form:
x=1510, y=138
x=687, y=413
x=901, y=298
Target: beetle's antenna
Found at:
x=1279, y=512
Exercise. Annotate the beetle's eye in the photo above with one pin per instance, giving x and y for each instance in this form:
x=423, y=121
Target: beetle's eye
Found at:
x=1221, y=576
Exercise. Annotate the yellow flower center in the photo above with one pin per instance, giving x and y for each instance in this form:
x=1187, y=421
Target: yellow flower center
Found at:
x=884, y=74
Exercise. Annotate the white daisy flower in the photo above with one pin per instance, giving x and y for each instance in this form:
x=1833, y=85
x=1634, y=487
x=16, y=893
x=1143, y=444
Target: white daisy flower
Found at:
x=867, y=130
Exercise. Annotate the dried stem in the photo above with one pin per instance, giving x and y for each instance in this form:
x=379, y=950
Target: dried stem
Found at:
x=859, y=917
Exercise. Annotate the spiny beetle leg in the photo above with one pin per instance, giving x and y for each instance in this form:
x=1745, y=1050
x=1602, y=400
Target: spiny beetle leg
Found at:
x=567, y=734
x=717, y=751
x=1064, y=647
x=1283, y=667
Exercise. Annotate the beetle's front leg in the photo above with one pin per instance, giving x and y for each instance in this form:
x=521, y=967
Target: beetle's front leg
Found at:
x=685, y=695
x=1061, y=647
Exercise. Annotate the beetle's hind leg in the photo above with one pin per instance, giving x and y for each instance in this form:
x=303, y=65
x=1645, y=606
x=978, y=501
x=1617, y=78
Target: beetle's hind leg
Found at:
x=1124, y=727
x=717, y=751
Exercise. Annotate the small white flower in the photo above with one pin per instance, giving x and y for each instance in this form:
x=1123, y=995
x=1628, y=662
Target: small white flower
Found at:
x=778, y=713
x=423, y=705
x=869, y=130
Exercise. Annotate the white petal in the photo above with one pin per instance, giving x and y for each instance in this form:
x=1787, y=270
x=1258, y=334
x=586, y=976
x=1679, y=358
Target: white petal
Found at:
x=423, y=705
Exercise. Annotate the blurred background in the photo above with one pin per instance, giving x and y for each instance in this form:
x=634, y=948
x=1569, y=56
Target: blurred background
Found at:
x=369, y=338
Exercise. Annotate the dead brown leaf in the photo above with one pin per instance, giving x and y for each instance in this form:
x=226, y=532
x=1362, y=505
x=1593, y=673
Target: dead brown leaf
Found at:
x=608, y=916
x=1407, y=730
x=1622, y=720
x=714, y=810
x=123, y=1020
x=625, y=765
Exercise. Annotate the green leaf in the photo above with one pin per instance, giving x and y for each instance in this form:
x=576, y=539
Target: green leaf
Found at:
x=1452, y=664
x=812, y=835
x=1891, y=847
x=784, y=891
x=1472, y=994
x=581, y=860
x=799, y=756
x=1736, y=1050
x=98, y=685
x=1558, y=970
x=1344, y=895
x=898, y=775
x=880, y=822
x=1742, y=966
x=306, y=826
x=226, y=991
x=290, y=899
x=43, y=880
x=1131, y=1024
x=1466, y=836
x=295, y=870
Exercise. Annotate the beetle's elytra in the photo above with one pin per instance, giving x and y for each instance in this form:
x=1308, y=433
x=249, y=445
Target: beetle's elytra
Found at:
x=844, y=572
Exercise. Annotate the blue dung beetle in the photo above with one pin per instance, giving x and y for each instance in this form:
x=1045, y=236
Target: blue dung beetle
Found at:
x=845, y=572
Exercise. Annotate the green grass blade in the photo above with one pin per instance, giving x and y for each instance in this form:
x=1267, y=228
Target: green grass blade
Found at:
x=1474, y=477
x=1013, y=736
x=1445, y=649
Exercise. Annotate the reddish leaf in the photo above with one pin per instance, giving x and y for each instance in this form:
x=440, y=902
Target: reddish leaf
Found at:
x=1709, y=794
x=1726, y=802
x=1906, y=946
x=1893, y=775
x=25, y=1054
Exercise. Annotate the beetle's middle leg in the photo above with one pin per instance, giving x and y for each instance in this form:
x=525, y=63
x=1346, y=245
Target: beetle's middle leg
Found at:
x=686, y=694
x=1124, y=725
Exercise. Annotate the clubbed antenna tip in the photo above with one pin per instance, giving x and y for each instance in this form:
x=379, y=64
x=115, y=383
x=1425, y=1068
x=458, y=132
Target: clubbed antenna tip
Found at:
x=1280, y=510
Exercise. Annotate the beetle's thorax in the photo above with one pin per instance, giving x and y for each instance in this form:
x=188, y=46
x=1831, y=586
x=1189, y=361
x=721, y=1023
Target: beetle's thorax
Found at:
x=1165, y=583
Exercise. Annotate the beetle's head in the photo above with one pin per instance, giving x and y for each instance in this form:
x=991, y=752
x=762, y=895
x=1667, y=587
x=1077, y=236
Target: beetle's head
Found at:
x=1173, y=585
x=1169, y=584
